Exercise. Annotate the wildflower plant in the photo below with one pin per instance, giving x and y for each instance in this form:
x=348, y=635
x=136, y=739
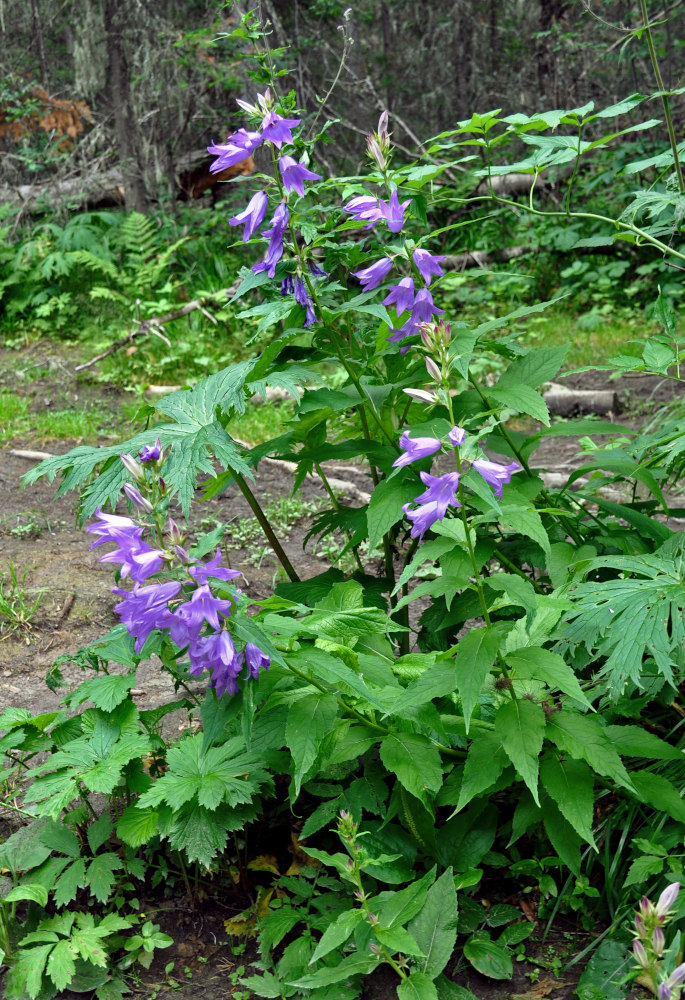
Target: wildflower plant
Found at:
x=468, y=688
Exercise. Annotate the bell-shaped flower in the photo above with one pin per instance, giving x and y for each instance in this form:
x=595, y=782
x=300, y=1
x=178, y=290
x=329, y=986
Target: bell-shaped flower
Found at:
x=667, y=899
x=151, y=452
x=252, y=215
x=145, y=609
x=423, y=518
x=274, y=252
x=189, y=618
x=276, y=128
x=237, y=148
x=415, y=448
x=364, y=208
x=494, y=474
x=428, y=264
x=401, y=296
x=294, y=174
x=256, y=660
x=424, y=309
x=201, y=572
x=442, y=490
x=216, y=652
x=393, y=212
x=371, y=276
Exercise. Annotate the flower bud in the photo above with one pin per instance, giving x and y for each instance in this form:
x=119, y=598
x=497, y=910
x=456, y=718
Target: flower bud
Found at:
x=640, y=927
x=646, y=908
x=658, y=942
x=174, y=532
x=640, y=953
x=375, y=152
x=433, y=370
x=373, y=919
x=443, y=333
x=667, y=899
x=422, y=395
x=663, y=992
x=677, y=977
x=382, y=131
x=136, y=497
x=132, y=467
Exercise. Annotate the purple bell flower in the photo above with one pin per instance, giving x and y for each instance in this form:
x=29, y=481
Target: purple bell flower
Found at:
x=441, y=490
x=371, y=276
x=494, y=474
x=276, y=128
x=424, y=517
x=189, y=618
x=300, y=292
x=252, y=215
x=151, y=452
x=237, y=148
x=279, y=224
x=256, y=660
x=677, y=977
x=667, y=899
x=393, y=212
x=136, y=497
x=428, y=264
x=216, y=652
x=456, y=436
x=145, y=609
x=664, y=992
x=415, y=448
x=201, y=572
x=294, y=175
x=364, y=208
x=401, y=296
x=423, y=309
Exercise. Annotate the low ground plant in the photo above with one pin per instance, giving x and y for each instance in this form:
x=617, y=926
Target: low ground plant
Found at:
x=497, y=693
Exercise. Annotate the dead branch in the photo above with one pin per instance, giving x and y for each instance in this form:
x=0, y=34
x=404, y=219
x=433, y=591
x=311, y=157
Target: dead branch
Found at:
x=155, y=324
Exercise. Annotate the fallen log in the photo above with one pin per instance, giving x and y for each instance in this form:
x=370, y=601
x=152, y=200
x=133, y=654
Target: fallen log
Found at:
x=564, y=402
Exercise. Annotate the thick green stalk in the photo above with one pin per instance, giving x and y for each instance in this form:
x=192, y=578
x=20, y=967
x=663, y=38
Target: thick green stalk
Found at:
x=266, y=527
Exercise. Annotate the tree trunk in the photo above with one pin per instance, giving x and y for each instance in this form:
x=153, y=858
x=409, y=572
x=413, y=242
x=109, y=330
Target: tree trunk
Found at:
x=124, y=124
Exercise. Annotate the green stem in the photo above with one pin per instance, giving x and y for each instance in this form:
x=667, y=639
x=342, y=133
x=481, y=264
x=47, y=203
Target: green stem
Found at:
x=336, y=505
x=664, y=96
x=186, y=881
x=506, y=561
x=266, y=527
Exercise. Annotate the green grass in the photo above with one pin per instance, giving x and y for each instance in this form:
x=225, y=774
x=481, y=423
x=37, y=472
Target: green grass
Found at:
x=16, y=421
x=17, y=608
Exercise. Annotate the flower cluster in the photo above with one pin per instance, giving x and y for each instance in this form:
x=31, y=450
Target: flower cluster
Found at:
x=442, y=490
x=649, y=945
x=277, y=130
x=195, y=618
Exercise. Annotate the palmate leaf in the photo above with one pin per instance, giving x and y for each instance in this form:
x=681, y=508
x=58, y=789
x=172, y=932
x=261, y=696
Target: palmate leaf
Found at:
x=192, y=434
x=628, y=619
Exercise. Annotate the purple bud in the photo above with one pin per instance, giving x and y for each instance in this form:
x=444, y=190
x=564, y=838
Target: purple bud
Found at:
x=667, y=899
x=174, y=532
x=640, y=927
x=433, y=370
x=151, y=452
x=646, y=907
x=663, y=992
x=677, y=977
x=421, y=395
x=640, y=953
x=136, y=497
x=658, y=942
x=456, y=436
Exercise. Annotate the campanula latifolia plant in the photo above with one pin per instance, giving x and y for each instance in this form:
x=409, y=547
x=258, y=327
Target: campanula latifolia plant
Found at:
x=470, y=695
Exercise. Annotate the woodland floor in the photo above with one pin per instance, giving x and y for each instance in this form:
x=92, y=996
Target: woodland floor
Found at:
x=39, y=537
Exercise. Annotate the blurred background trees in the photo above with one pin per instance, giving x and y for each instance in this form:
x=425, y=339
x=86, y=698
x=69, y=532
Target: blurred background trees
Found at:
x=141, y=86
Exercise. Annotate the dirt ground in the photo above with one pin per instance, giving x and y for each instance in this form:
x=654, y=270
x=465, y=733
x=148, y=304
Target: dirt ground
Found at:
x=50, y=554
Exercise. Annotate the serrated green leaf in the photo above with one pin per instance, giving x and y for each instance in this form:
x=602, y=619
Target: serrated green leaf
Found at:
x=583, y=737
x=642, y=869
x=70, y=881
x=537, y=366
x=417, y=986
x=520, y=724
x=537, y=663
x=310, y=718
x=562, y=836
x=435, y=926
x=485, y=762
x=337, y=933
x=474, y=660
x=435, y=682
x=385, y=507
x=100, y=875
x=570, y=784
x=522, y=399
x=659, y=793
x=525, y=521
x=200, y=833
x=633, y=741
x=29, y=968
x=415, y=761
x=61, y=966
x=396, y=908
x=105, y=692
x=137, y=825
x=352, y=965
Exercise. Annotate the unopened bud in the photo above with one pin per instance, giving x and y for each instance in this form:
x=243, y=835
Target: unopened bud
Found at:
x=664, y=992
x=426, y=331
x=677, y=977
x=135, y=496
x=640, y=926
x=373, y=919
x=646, y=907
x=133, y=468
x=173, y=531
x=422, y=395
x=250, y=108
x=383, y=134
x=374, y=150
x=658, y=942
x=443, y=333
x=433, y=370
x=640, y=953
x=667, y=899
